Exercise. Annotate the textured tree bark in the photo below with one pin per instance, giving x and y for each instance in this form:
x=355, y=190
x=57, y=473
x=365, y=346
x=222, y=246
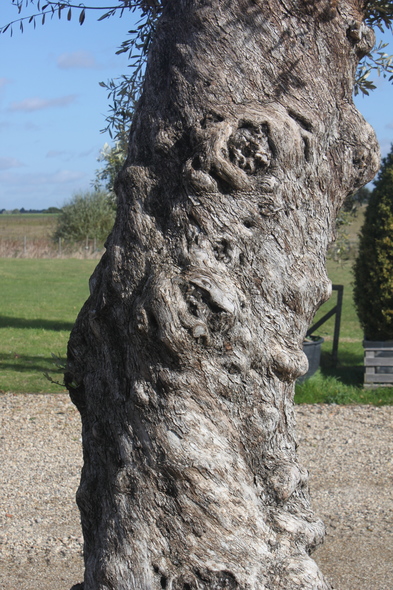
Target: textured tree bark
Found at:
x=183, y=359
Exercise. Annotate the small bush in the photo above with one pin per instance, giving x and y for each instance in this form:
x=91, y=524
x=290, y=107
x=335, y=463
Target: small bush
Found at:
x=88, y=214
x=373, y=269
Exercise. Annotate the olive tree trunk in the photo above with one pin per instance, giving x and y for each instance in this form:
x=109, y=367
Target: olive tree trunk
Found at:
x=183, y=360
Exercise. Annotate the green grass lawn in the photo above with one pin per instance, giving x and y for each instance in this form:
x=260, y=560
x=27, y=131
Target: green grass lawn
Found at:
x=39, y=301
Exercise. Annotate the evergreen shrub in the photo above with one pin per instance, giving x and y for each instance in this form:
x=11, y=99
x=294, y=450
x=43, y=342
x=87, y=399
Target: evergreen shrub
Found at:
x=373, y=269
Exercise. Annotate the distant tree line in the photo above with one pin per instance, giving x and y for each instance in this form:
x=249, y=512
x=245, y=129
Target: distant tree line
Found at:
x=23, y=210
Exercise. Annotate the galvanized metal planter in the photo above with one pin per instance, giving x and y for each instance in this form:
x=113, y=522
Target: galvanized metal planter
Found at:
x=312, y=350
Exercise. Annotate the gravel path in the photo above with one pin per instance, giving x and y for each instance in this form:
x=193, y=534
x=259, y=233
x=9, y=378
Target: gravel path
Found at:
x=348, y=451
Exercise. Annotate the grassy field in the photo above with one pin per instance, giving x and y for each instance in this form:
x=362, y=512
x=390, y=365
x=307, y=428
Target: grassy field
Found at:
x=30, y=235
x=39, y=303
x=31, y=225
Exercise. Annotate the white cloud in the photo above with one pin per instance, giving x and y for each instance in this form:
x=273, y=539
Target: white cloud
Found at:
x=76, y=59
x=8, y=163
x=37, y=104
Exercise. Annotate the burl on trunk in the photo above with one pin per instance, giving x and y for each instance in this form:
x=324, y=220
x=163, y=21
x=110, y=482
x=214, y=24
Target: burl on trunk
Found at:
x=182, y=361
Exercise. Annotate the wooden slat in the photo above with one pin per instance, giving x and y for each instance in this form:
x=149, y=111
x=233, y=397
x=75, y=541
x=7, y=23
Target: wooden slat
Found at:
x=379, y=361
x=388, y=349
x=370, y=370
x=378, y=378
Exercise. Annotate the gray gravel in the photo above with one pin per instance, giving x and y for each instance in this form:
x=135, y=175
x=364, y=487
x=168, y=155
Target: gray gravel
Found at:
x=347, y=450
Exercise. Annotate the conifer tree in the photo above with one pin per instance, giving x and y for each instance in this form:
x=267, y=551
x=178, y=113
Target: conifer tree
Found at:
x=373, y=269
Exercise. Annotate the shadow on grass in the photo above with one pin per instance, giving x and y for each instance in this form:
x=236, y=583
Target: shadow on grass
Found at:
x=349, y=369
x=21, y=363
x=40, y=324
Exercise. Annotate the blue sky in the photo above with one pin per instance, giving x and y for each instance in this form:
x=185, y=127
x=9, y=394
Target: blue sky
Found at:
x=52, y=107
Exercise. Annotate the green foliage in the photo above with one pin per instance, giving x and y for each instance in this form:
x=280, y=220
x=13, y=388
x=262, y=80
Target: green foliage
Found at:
x=113, y=158
x=125, y=91
x=377, y=61
x=379, y=14
x=88, y=214
x=373, y=270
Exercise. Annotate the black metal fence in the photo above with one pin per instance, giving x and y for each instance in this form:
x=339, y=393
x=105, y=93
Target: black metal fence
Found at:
x=336, y=310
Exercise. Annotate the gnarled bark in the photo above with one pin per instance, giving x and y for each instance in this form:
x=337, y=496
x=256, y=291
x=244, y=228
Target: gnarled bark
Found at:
x=182, y=361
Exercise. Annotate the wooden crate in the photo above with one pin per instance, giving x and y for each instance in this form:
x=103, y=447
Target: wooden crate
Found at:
x=378, y=362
